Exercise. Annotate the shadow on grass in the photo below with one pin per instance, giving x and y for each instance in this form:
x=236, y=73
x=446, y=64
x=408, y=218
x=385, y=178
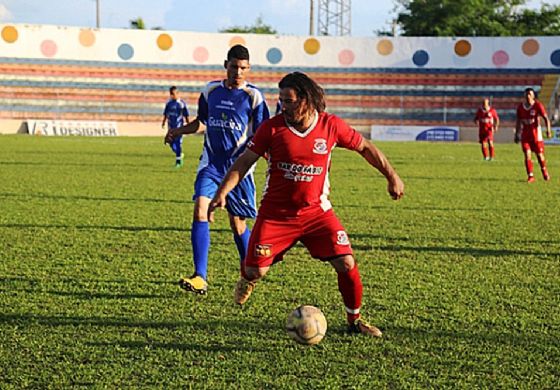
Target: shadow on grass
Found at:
x=470, y=251
x=206, y=347
x=107, y=227
x=95, y=198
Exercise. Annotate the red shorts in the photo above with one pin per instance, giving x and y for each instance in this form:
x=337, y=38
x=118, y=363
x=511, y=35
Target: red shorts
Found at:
x=534, y=146
x=321, y=233
x=485, y=136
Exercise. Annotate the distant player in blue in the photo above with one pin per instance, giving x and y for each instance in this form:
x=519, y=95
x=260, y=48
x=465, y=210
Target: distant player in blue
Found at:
x=231, y=110
x=176, y=114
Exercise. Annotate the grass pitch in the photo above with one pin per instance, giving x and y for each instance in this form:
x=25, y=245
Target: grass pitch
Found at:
x=462, y=275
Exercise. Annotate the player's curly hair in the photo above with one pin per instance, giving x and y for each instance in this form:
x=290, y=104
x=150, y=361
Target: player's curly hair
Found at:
x=238, y=52
x=305, y=88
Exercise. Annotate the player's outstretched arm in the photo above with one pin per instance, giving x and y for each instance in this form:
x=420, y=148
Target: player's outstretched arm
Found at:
x=234, y=175
x=190, y=128
x=376, y=158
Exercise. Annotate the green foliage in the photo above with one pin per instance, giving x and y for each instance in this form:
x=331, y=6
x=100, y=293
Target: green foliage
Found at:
x=258, y=28
x=463, y=274
x=137, y=24
x=476, y=18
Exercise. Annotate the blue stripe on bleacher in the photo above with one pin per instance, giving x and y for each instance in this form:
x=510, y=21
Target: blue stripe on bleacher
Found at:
x=286, y=69
x=405, y=91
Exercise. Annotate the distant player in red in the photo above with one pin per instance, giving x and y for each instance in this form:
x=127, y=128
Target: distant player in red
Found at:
x=295, y=205
x=528, y=132
x=488, y=121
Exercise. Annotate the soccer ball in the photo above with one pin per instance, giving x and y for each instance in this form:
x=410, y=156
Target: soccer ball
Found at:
x=306, y=325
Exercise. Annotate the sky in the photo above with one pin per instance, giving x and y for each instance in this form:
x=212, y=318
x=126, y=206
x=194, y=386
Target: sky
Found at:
x=287, y=17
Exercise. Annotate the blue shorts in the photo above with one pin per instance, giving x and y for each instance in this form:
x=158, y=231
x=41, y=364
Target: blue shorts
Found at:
x=241, y=200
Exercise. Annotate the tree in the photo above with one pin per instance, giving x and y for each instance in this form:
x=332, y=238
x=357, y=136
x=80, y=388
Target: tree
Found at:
x=137, y=24
x=475, y=17
x=258, y=28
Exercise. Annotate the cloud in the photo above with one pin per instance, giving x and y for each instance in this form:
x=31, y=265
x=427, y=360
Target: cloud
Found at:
x=5, y=14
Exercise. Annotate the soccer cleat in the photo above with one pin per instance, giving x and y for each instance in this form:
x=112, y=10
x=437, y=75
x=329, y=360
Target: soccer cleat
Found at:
x=530, y=179
x=360, y=326
x=243, y=290
x=546, y=176
x=194, y=284
x=179, y=164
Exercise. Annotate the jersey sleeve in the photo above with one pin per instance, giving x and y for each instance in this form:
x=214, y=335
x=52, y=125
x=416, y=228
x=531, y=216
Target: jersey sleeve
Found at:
x=260, y=112
x=260, y=143
x=185, y=109
x=202, y=109
x=166, y=109
x=346, y=136
x=495, y=115
x=541, y=110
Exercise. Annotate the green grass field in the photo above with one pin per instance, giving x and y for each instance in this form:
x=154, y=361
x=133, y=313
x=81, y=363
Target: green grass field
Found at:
x=462, y=275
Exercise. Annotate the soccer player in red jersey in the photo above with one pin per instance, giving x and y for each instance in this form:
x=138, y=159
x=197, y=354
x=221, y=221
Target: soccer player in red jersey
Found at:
x=528, y=132
x=295, y=205
x=488, y=121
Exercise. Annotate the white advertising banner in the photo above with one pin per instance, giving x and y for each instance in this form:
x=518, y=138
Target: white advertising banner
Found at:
x=414, y=133
x=76, y=128
x=555, y=140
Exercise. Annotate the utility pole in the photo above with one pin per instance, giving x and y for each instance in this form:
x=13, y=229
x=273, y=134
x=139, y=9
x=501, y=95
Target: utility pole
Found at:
x=97, y=19
x=311, y=17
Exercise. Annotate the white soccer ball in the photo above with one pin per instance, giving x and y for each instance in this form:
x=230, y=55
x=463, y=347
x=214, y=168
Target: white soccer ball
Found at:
x=307, y=325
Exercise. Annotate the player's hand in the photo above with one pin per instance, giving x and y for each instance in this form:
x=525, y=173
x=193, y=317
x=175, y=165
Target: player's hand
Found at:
x=548, y=133
x=170, y=136
x=217, y=202
x=395, y=187
x=516, y=138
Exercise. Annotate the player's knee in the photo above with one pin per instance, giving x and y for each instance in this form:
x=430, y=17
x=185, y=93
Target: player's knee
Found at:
x=343, y=263
x=254, y=273
x=237, y=225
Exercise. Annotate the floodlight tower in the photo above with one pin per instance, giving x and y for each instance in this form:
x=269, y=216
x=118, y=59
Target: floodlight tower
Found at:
x=335, y=17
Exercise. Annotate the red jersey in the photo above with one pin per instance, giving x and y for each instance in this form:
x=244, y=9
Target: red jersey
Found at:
x=486, y=119
x=299, y=163
x=530, y=122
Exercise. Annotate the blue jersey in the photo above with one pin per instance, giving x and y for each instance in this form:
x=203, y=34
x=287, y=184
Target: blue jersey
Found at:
x=231, y=117
x=175, y=111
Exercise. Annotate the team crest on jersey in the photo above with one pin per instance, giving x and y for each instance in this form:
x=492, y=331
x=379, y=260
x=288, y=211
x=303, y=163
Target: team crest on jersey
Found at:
x=320, y=146
x=342, y=238
x=263, y=250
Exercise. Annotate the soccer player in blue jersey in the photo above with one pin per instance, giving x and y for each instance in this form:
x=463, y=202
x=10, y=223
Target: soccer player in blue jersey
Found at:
x=231, y=110
x=176, y=114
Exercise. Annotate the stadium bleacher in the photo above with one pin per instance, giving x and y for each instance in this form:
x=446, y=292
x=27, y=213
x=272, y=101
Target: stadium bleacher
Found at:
x=66, y=89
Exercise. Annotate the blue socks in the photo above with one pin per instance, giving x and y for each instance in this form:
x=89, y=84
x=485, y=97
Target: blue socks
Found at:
x=242, y=242
x=200, y=239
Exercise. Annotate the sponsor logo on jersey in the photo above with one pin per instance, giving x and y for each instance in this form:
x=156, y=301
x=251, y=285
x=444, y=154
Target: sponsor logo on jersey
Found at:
x=224, y=123
x=299, y=172
x=342, y=238
x=320, y=146
x=263, y=250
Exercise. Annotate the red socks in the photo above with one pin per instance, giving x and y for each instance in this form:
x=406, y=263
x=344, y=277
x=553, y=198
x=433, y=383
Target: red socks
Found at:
x=350, y=286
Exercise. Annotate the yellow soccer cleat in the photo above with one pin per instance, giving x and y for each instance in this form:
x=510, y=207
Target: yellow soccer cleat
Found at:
x=194, y=284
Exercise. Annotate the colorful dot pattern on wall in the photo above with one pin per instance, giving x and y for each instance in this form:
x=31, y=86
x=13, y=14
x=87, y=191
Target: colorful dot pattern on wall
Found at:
x=312, y=46
x=237, y=40
x=463, y=48
x=164, y=41
x=10, y=34
x=274, y=55
x=125, y=51
x=49, y=48
x=384, y=47
x=87, y=38
x=201, y=55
